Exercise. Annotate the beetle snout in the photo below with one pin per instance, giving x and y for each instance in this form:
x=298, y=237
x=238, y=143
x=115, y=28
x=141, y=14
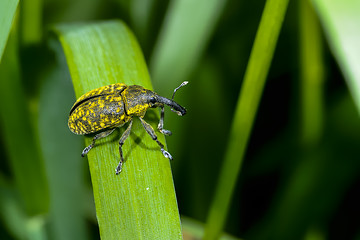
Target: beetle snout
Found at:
x=175, y=107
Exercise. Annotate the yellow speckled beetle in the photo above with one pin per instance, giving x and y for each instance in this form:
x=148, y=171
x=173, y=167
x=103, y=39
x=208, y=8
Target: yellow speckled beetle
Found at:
x=104, y=109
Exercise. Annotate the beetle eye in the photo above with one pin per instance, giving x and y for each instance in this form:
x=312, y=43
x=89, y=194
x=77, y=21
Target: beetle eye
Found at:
x=152, y=100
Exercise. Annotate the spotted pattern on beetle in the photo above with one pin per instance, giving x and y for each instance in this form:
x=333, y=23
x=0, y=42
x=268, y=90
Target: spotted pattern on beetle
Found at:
x=97, y=113
x=116, y=88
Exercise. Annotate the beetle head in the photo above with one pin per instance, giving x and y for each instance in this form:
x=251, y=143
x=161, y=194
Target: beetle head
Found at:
x=138, y=99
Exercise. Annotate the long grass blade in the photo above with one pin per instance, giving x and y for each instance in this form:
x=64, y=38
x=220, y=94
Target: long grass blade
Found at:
x=139, y=203
x=7, y=16
x=60, y=148
x=192, y=22
x=247, y=105
x=18, y=133
x=341, y=20
x=312, y=75
x=31, y=23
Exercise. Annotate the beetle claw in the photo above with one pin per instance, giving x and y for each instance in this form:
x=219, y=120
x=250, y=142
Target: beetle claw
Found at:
x=85, y=151
x=118, y=168
x=166, y=154
x=165, y=132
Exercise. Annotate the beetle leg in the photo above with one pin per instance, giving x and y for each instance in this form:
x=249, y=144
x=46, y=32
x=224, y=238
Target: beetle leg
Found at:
x=151, y=132
x=124, y=136
x=161, y=123
x=97, y=136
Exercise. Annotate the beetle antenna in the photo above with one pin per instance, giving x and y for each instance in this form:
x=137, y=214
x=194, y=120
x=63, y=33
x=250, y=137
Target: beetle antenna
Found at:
x=181, y=85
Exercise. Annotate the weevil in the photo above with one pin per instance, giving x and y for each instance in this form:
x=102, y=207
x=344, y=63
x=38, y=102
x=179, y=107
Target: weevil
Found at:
x=104, y=109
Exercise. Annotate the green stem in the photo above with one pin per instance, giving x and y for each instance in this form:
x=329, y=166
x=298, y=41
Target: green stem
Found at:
x=173, y=60
x=19, y=138
x=312, y=74
x=31, y=21
x=7, y=16
x=247, y=105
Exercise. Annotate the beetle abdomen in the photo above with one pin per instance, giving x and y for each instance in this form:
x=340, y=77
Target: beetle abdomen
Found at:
x=96, y=114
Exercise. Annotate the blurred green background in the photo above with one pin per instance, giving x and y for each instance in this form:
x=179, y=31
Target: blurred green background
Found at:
x=299, y=176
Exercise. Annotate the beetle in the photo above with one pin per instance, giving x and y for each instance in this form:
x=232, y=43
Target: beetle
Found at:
x=104, y=109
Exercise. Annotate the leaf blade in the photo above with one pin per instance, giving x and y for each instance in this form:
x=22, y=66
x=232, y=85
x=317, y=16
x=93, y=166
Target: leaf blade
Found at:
x=247, y=105
x=140, y=202
x=340, y=22
x=7, y=16
x=176, y=58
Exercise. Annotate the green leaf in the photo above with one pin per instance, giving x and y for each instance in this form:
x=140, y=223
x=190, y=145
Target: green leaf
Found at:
x=31, y=21
x=11, y=212
x=7, y=16
x=19, y=135
x=174, y=59
x=19, y=225
x=60, y=148
x=247, y=105
x=341, y=20
x=312, y=75
x=140, y=202
x=140, y=15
